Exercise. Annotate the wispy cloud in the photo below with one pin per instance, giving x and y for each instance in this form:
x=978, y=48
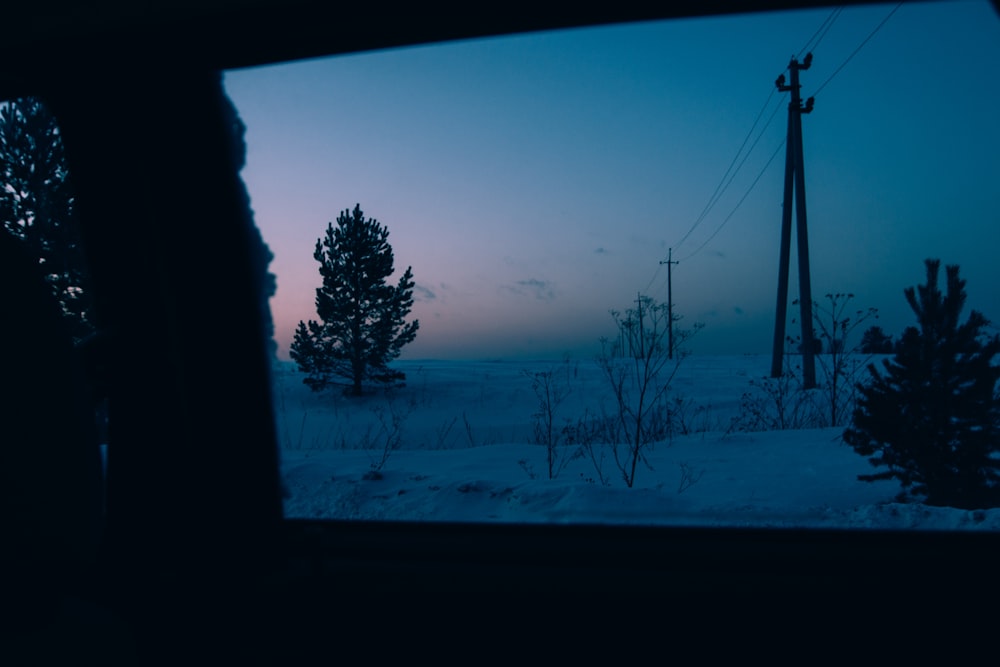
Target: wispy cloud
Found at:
x=421, y=293
x=543, y=290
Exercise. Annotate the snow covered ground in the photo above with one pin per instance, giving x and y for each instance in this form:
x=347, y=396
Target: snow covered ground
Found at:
x=461, y=447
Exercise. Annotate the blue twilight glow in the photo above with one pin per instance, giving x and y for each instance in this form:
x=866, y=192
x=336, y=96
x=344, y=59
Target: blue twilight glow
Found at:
x=533, y=182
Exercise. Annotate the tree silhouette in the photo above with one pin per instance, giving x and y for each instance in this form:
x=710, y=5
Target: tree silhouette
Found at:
x=261, y=254
x=363, y=326
x=37, y=206
x=932, y=414
x=876, y=341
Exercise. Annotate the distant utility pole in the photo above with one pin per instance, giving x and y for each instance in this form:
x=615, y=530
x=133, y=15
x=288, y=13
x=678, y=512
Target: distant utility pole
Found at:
x=795, y=180
x=670, y=305
x=642, y=336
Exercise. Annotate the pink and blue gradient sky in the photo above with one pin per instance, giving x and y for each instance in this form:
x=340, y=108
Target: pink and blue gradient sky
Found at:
x=534, y=182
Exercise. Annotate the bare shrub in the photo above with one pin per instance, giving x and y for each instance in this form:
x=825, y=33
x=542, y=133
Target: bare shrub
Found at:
x=640, y=379
x=551, y=388
x=784, y=403
x=689, y=476
x=840, y=365
x=591, y=433
x=527, y=468
x=444, y=431
x=387, y=439
x=777, y=404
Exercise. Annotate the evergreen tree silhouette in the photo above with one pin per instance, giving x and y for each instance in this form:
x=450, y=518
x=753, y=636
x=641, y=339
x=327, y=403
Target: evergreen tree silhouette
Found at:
x=932, y=414
x=876, y=341
x=363, y=326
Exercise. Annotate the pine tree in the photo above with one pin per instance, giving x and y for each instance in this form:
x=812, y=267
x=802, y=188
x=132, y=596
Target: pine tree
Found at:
x=363, y=326
x=876, y=341
x=932, y=414
x=37, y=206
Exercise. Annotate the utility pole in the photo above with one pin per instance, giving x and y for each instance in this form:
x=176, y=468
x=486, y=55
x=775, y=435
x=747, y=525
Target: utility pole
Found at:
x=795, y=180
x=670, y=305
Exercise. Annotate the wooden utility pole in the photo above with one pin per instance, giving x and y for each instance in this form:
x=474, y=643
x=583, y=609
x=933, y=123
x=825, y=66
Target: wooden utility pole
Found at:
x=795, y=181
x=670, y=305
x=642, y=333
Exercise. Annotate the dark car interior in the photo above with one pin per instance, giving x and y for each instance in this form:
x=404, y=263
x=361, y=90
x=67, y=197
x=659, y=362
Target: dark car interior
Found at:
x=184, y=553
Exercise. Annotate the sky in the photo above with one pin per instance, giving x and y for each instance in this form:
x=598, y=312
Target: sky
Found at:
x=534, y=182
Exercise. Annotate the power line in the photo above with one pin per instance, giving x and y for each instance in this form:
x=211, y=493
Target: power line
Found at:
x=814, y=40
x=752, y=146
x=738, y=204
x=653, y=279
x=724, y=184
x=720, y=189
x=820, y=32
x=859, y=47
x=727, y=178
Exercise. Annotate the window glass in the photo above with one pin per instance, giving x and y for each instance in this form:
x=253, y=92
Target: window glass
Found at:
x=593, y=219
